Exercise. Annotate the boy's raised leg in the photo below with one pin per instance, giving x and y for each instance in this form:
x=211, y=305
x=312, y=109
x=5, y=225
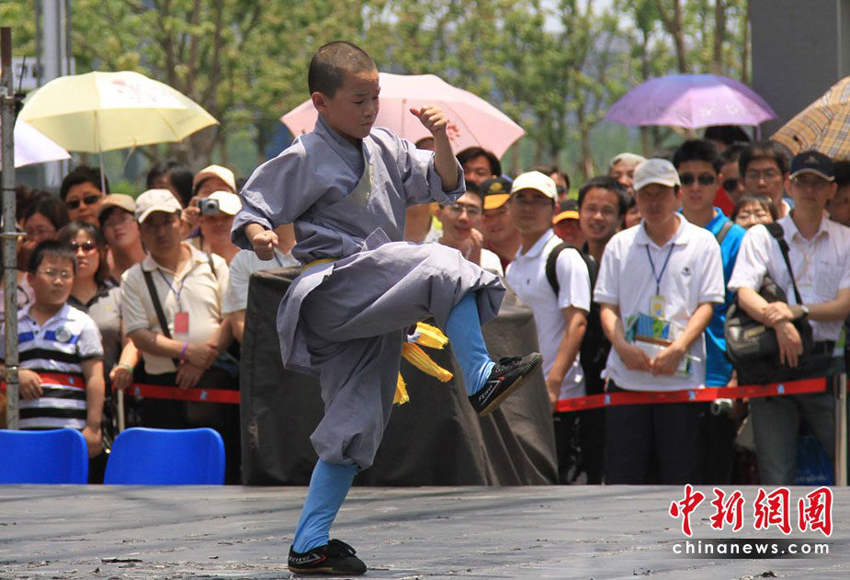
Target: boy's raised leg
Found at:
x=487, y=383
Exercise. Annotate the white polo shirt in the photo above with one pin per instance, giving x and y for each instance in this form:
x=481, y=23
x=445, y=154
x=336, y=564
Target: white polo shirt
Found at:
x=821, y=266
x=196, y=289
x=693, y=276
x=526, y=276
x=243, y=264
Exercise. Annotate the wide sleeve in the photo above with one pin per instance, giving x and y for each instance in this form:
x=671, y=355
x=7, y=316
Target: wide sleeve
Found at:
x=422, y=183
x=278, y=192
x=753, y=257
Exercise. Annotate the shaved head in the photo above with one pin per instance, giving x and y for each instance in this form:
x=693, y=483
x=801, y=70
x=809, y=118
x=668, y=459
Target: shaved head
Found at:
x=332, y=62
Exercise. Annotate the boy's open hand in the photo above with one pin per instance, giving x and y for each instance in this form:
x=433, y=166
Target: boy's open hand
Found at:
x=264, y=243
x=432, y=118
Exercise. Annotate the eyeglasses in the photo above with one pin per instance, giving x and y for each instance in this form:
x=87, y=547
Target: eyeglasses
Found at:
x=816, y=183
x=40, y=233
x=154, y=224
x=459, y=208
x=730, y=184
x=89, y=200
x=702, y=179
x=52, y=274
x=768, y=175
x=561, y=189
x=88, y=246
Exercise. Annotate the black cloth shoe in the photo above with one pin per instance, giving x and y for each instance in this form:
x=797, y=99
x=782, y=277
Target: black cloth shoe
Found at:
x=335, y=558
x=507, y=376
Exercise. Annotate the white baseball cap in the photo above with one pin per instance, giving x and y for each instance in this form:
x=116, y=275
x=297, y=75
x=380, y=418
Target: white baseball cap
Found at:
x=536, y=181
x=156, y=200
x=658, y=171
x=222, y=173
x=228, y=203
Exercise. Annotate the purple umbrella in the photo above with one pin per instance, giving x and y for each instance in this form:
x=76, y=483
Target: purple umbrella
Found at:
x=691, y=101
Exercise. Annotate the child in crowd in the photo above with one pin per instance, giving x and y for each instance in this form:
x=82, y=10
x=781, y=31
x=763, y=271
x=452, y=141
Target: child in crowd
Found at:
x=56, y=338
x=752, y=210
x=346, y=186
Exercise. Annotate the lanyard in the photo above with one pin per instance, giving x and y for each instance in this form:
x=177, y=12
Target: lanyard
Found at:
x=664, y=267
x=173, y=289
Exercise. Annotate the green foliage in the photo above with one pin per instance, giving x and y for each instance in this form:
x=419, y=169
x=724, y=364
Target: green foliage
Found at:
x=554, y=66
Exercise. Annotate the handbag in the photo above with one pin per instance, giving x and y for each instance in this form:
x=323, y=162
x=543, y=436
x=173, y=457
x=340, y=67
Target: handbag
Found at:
x=752, y=347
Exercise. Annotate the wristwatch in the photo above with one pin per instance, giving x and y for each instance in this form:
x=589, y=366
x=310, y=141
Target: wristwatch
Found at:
x=805, y=310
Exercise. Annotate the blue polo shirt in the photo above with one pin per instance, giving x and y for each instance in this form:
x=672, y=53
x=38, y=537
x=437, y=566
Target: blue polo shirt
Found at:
x=718, y=369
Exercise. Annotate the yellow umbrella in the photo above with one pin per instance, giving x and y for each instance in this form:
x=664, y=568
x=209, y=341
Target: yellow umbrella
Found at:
x=823, y=126
x=102, y=111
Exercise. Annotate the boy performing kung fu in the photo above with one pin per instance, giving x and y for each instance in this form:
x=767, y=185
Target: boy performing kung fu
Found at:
x=345, y=187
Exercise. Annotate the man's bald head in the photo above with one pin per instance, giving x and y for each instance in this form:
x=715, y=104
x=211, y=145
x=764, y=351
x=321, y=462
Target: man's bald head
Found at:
x=332, y=62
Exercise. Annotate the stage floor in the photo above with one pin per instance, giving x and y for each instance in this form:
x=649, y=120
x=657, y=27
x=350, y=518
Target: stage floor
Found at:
x=58, y=532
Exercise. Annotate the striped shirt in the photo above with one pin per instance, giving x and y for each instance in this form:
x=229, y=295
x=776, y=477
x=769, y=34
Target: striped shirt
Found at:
x=60, y=346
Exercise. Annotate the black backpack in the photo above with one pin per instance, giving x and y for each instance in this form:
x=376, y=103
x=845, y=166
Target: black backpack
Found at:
x=595, y=346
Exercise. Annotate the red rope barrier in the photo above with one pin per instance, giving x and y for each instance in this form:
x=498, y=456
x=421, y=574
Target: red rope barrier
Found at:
x=199, y=394
x=816, y=385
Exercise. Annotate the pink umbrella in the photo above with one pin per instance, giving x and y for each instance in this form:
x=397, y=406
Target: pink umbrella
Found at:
x=691, y=101
x=473, y=121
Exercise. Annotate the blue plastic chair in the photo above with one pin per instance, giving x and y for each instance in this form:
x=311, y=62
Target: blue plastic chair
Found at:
x=54, y=456
x=144, y=456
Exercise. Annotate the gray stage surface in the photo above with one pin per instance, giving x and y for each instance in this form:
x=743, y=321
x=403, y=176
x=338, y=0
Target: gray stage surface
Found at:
x=473, y=532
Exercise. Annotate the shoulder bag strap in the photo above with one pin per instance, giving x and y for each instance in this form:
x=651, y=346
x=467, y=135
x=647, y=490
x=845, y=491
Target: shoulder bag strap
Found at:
x=160, y=314
x=724, y=229
x=777, y=232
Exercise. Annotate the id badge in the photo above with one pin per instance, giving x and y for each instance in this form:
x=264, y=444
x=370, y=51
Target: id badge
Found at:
x=656, y=305
x=181, y=323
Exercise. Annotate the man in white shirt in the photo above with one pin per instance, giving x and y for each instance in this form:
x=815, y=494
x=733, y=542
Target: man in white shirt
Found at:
x=819, y=252
x=764, y=171
x=243, y=265
x=561, y=318
x=657, y=286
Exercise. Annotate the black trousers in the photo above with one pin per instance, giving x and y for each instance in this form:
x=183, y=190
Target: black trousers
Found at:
x=658, y=443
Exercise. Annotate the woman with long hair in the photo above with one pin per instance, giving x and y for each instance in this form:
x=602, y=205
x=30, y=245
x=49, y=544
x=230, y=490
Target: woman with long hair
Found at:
x=96, y=293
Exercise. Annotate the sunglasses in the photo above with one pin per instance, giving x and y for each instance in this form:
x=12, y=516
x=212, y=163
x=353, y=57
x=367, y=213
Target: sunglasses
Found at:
x=730, y=185
x=88, y=200
x=88, y=246
x=703, y=179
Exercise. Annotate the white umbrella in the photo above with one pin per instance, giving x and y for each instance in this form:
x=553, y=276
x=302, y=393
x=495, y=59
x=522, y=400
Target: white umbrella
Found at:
x=32, y=146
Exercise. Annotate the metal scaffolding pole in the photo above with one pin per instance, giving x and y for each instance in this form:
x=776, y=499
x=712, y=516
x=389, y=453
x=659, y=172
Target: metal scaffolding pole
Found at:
x=840, y=393
x=10, y=226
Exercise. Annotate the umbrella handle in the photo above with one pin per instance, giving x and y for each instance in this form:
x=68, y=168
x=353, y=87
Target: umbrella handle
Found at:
x=100, y=152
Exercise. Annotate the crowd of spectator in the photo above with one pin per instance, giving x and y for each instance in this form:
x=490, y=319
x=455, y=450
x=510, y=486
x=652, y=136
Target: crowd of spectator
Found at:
x=115, y=290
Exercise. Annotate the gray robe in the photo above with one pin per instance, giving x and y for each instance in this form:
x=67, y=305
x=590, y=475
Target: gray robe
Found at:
x=344, y=321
